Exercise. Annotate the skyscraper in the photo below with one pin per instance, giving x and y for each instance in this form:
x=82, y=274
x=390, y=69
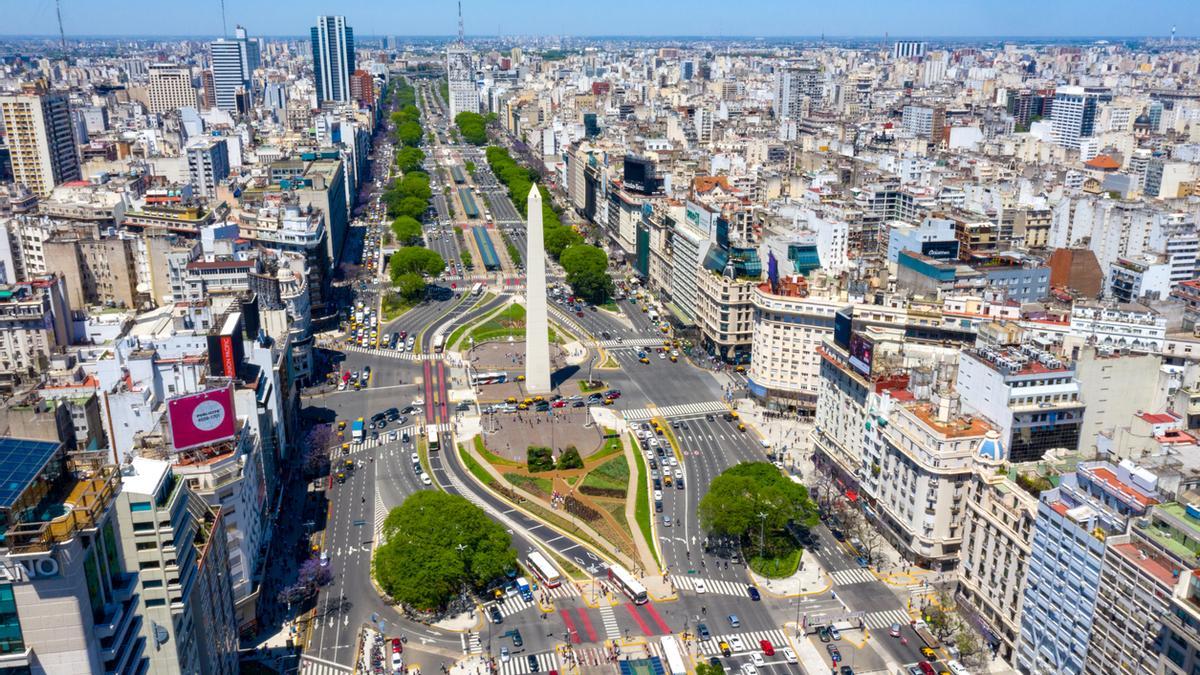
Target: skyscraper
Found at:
x=1074, y=114
x=794, y=84
x=333, y=58
x=170, y=88
x=228, y=76
x=37, y=124
x=460, y=75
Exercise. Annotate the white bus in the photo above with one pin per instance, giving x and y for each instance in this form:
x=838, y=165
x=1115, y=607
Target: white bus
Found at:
x=674, y=653
x=543, y=570
x=477, y=289
x=432, y=436
x=438, y=342
x=628, y=585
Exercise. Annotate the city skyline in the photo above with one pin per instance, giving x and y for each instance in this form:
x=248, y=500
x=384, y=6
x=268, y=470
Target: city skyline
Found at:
x=757, y=18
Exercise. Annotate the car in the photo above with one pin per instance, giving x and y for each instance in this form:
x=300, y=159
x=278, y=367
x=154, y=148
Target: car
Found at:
x=517, y=641
x=397, y=662
x=702, y=631
x=736, y=641
x=835, y=633
x=768, y=649
x=757, y=659
x=823, y=634
x=658, y=495
x=494, y=613
x=749, y=669
x=666, y=520
x=894, y=631
x=926, y=668
x=789, y=655
x=753, y=593
x=533, y=663
x=846, y=670
x=324, y=558
x=504, y=655
x=700, y=586
x=715, y=662
x=397, y=646
x=834, y=654
x=725, y=648
x=425, y=480
x=928, y=653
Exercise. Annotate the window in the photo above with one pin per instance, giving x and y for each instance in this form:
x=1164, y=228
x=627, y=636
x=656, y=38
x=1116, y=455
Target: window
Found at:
x=155, y=602
x=138, y=507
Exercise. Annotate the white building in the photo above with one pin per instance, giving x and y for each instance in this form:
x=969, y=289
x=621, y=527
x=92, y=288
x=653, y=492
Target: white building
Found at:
x=170, y=88
x=796, y=86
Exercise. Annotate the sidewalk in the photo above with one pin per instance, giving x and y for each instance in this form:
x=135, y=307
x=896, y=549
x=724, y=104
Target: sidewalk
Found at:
x=810, y=579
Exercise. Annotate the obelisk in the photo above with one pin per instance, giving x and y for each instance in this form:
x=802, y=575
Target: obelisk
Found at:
x=537, y=324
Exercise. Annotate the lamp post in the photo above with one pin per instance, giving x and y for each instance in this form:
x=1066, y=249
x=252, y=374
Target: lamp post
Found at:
x=762, y=531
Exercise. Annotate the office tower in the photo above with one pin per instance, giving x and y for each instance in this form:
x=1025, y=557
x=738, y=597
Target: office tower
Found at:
x=794, y=84
x=460, y=75
x=537, y=326
x=229, y=76
x=924, y=121
x=208, y=93
x=333, y=58
x=208, y=165
x=41, y=143
x=170, y=88
x=1074, y=114
x=362, y=87
x=251, y=55
x=907, y=49
x=1073, y=523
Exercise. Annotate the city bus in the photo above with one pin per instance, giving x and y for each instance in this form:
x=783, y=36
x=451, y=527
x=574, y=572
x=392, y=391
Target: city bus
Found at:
x=674, y=655
x=438, y=342
x=543, y=570
x=356, y=430
x=629, y=586
x=432, y=436
x=489, y=378
x=477, y=288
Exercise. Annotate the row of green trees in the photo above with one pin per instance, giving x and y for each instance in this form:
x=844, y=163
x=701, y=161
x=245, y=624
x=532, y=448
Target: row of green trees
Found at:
x=472, y=126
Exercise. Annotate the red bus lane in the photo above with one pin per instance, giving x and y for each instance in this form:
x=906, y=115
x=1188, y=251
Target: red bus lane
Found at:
x=445, y=415
x=572, y=631
x=658, y=620
x=587, y=625
x=638, y=618
x=428, y=393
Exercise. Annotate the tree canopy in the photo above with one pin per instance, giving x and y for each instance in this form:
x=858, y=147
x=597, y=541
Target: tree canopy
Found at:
x=408, y=196
x=754, y=495
x=409, y=159
x=519, y=180
x=407, y=230
x=416, y=260
x=410, y=286
x=587, y=272
x=472, y=126
x=435, y=546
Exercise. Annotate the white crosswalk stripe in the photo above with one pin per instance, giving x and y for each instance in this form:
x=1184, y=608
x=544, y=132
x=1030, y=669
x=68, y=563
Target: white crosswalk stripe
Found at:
x=611, y=629
x=886, y=618
x=681, y=410
x=380, y=516
x=386, y=353
x=631, y=342
x=518, y=664
x=851, y=577
x=750, y=642
x=711, y=586
x=512, y=605
x=386, y=435
x=311, y=666
x=474, y=646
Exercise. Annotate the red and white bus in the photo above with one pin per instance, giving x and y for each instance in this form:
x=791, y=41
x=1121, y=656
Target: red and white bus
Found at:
x=543, y=570
x=628, y=585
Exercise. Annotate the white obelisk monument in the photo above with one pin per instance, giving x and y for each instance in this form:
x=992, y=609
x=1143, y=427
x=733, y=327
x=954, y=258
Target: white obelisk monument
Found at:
x=537, y=325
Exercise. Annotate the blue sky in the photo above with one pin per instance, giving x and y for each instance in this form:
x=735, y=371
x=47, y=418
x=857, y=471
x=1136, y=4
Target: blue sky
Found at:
x=613, y=17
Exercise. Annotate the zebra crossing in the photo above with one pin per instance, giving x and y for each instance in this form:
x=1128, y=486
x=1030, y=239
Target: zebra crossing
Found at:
x=385, y=436
x=851, y=577
x=311, y=665
x=474, y=646
x=380, y=516
x=519, y=664
x=886, y=618
x=387, y=353
x=512, y=605
x=681, y=410
x=711, y=586
x=631, y=342
x=750, y=641
x=612, y=630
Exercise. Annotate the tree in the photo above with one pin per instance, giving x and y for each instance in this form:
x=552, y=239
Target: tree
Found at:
x=583, y=256
x=557, y=238
x=470, y=167
x=595, y=286
x=941, y=617
x=856, y=525
x=539, y=458
x=408, y=230
x=968, y=644
x=409, y=133
x=316, y=449
x=435, y=546
x=755, y=499
x=703, y=668
x=570, y=459
x=472, y=126
x=409, y=159
x=416, y=259
x=313, y=574
x=410, y=286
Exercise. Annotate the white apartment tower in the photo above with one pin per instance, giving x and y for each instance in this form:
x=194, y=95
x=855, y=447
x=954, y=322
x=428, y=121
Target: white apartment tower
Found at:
x=41, y=142
x=170, y=88
x=794, y=84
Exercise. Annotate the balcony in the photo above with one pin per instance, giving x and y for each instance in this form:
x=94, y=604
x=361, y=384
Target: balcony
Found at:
x=82, y=508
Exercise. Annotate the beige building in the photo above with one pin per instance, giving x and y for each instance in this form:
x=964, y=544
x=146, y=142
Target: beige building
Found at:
x=34, y=322
x=170, y=88
x=725, y=313
x=788, y=326
x=41, y=141
x=97, y=271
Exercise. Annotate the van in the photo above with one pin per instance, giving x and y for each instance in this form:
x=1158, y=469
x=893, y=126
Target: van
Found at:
x=957, y=668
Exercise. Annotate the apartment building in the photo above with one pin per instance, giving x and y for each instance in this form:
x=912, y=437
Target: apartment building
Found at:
x=170, y=88
x=40, y=137
x=789, y=324
x=35, y=321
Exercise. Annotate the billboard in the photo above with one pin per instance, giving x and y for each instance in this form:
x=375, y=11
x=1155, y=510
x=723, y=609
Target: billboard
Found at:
x=203, y=418
x=862, y=351
x=843, y=325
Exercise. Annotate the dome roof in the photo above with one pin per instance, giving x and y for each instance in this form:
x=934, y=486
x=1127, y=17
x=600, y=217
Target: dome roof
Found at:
x=990, y=448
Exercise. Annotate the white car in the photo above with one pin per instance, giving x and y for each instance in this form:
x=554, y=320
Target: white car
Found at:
x=700, y=586
x=757, y=659
x=658, y=495
x=416, y=459
x=749, y=669
x=737, y=644
x=789, y=654
x=425, y=479
x=397, y=662
x=673, y=461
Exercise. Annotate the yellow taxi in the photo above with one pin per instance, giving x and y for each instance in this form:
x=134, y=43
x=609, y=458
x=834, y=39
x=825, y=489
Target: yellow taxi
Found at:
x=522, y=406
x=520, y=378
x=341, y=425
x=511, y=400
x=539, y=398
x=740, y=369
x=643, y=360
x=733, y=414
x=674, y=359
x=741, y=426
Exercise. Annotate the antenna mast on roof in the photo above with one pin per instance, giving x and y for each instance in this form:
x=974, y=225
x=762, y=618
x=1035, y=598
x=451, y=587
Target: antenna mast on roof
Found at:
x=460, y=27
x=62, y=35
x=224, y=28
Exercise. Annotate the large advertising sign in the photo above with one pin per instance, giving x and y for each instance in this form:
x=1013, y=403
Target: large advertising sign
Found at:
x=862, y=352
x=201, y=419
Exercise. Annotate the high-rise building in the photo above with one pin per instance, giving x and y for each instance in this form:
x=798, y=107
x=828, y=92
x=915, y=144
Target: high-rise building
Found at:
x=924, y=121
x=208, y=89
x=907, y=49
x=1074, y=114
x=333, y=58
x=208, y=165
x=41, y=142
x=464, y=93
x=795, y=84
x=229, y=77
x=170, y=88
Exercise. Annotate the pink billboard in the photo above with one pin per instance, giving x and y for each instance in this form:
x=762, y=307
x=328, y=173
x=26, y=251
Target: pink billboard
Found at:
x=203, y=418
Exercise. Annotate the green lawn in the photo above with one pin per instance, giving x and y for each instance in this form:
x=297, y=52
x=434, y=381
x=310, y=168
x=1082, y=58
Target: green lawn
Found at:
x=588, y=388
x=642, y=508
x=611, y=306
x=612, y=445
x=394, y=306
x=611, y=475
x=508, y=322
x=777, y=568
x=530, y=483
x=494, y=460
x=617, y=510
x=474, y=467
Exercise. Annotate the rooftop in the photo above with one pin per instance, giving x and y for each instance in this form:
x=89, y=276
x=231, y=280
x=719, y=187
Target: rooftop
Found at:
x=143, y=475
x=1114, y=484
x=1164, y=574
x=21, y=461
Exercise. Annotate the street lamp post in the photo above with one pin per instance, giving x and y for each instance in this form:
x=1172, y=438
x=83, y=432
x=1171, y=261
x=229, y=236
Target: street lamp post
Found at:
x=762, y=532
